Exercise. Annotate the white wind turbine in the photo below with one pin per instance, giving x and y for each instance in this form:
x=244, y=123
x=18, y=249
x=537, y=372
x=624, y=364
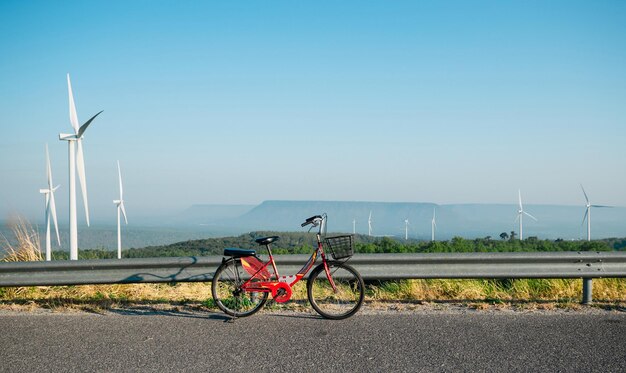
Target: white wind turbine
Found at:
x=76, y=161
x=51, y=210
x=120, y=208
x=588, y=213
x=433, y=226
x=520, y=215
x=369, y=224
x=406, y=229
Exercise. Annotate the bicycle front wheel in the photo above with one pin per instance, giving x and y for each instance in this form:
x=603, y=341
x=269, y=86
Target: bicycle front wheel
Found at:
x=341, y=302
x=227, y=292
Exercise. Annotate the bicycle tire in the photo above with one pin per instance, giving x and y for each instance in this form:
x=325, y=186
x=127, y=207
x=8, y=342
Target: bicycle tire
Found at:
x=227, y=294
x=340, y=304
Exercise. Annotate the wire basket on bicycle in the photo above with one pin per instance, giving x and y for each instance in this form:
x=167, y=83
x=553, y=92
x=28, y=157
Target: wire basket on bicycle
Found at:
x=340, y=247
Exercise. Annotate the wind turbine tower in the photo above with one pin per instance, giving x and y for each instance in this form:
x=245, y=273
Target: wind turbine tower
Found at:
x=369, y=224
x=76, y=163
x=51, y=210
x=520, y=215
x=433, y=226
x=353, y=226
x=120, y=209
x=588, y=213
x=406, y=229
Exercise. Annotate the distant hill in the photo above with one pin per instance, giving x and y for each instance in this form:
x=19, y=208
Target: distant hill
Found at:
x=387, y=218
x=465, y=220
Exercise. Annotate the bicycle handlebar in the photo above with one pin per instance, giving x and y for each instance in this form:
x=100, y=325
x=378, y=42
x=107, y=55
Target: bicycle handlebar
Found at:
x=310, y=220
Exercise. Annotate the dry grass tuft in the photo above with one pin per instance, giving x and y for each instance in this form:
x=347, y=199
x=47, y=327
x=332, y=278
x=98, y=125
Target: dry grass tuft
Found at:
x=28, y=246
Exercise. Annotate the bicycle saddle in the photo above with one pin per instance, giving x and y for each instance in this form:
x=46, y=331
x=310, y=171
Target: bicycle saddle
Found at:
x=266, y=240
x=238, y=253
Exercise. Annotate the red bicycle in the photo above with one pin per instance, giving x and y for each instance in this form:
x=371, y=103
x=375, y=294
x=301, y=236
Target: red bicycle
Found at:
x=243, y=282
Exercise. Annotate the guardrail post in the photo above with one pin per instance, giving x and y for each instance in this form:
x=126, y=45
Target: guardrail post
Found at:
x=587, y=291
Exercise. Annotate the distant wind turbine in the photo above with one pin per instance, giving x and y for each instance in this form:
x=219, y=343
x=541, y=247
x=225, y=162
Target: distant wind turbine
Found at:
x=433, y=226
x=51, y=210
x=76, y=161
x=120, y=208
x=369, y=224
x=588, y=213
x=520, y=215
x=406, y=229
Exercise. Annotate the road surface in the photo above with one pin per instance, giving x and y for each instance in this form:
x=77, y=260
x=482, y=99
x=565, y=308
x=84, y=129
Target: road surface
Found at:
x=166, y=341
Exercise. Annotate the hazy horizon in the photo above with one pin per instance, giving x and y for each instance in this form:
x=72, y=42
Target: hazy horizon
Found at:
x=151, y=220
x=240, y=103
x=465, y=220
x=388, y=219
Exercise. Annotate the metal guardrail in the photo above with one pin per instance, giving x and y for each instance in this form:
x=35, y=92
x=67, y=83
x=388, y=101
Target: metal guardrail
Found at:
x=586, y=265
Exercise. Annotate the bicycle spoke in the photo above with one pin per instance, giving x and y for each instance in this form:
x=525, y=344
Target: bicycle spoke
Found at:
x=229, y=295
x=341, y=302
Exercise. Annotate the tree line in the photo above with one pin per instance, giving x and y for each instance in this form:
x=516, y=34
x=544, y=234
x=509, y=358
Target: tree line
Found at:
x=302, y=243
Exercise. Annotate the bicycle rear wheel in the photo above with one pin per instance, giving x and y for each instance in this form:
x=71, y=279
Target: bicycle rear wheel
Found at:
x=227, y=292
x=337, y=304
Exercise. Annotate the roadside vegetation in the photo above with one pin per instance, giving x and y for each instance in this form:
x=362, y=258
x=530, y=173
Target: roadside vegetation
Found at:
x=27, y=247
x=406, y=294
x=532, y=294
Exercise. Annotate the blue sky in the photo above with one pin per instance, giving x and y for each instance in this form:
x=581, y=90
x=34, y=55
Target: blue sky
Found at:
x=242, y=101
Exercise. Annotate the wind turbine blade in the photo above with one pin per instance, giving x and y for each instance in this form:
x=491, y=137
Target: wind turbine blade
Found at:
x=530, y=216
x=585, y=217
x=80, y=164
x=123, y=211
x=53, y=210
x=519, y=193
x=585, y=193
x=83, y=128
x=601, y=206
x=73, y=116
x=48, y=168
x=119, y=173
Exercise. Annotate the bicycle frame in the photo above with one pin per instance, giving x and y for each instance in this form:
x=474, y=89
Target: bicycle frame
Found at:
x=280, y=287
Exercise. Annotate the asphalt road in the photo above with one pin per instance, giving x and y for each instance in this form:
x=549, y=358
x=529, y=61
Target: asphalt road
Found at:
x=194, y=341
